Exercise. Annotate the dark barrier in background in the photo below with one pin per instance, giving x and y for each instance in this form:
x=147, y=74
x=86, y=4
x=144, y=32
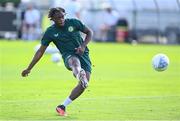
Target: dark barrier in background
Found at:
x=8, y=21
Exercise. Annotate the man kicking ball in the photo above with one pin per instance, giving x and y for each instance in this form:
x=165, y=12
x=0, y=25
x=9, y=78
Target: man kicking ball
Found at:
x=65, y=34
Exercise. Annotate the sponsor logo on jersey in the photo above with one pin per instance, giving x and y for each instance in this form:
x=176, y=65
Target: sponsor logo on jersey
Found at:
x=56, y=35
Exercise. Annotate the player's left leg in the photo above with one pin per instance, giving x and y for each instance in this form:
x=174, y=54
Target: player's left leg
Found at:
x=79, y=89
x=82, y=76
x=76, y=92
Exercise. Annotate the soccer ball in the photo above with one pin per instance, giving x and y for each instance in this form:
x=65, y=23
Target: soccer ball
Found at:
x=160, y=62
x=56, y=57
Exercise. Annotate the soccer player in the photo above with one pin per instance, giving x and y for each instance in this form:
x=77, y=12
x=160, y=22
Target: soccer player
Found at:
x=65, y=34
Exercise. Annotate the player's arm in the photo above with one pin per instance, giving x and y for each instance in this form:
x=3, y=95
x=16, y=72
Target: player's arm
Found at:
x=88, y=36
x=35, y=59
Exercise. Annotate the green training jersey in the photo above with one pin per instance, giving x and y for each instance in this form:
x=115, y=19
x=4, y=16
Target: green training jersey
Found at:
x=66, y=38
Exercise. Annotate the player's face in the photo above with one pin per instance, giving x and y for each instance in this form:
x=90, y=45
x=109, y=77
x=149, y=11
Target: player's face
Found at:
x=58, y=18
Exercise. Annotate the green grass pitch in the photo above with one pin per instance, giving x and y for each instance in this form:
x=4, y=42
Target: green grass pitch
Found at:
x=123, y=84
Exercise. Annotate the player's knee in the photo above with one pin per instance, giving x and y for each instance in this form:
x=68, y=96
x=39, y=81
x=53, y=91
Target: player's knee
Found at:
x=74, y=62
x=82, y=87
x=85, y=87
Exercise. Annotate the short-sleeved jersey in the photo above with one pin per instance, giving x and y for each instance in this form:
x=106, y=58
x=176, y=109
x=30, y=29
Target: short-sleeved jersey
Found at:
x=66, y=38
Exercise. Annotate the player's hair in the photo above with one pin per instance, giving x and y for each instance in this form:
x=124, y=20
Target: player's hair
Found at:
x=52, y=11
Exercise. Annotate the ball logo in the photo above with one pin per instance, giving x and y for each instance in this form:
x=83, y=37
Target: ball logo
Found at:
x=70, y=29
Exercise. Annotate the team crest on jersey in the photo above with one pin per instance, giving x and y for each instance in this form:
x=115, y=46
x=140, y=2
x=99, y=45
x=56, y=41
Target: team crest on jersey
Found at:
x=70, y=29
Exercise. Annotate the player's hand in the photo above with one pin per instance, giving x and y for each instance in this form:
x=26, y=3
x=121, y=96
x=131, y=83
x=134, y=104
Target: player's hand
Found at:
x=25, y=73
x=80, y=50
